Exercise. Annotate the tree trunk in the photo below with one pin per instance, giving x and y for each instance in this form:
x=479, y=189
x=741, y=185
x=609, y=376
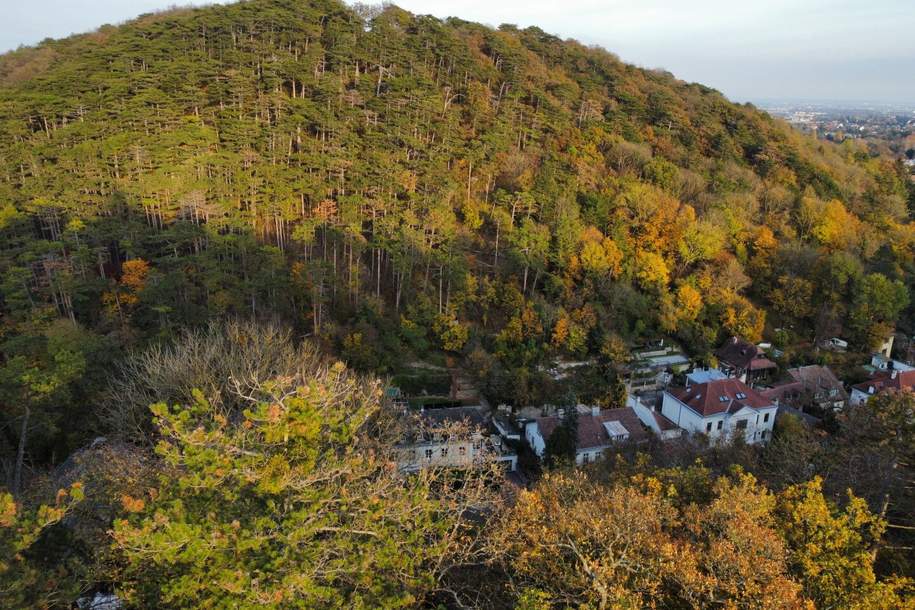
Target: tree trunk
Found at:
x=20, y=452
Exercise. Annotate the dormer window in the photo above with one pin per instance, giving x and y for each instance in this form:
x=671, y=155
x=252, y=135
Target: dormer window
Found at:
x=722, y=399
x=741, y=395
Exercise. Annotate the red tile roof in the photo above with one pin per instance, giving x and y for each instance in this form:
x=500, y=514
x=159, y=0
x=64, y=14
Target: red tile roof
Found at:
x=591, y=431
x=719, y=396
x=888, y=380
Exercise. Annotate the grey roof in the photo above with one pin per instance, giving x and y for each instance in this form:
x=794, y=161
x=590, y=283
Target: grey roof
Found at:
x=815, y=377
x=472, y=415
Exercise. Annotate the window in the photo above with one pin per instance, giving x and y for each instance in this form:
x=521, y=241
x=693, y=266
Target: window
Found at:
x=462, y=450
x=708, y=427
x=765, y=418
x=444, y=451
x=428, y=454
x=722, y=399
x=720, y=424
x=741, y=424
x=741, y=395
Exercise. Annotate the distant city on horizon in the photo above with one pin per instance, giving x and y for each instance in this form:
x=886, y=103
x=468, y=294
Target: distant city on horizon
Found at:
x=834, y=104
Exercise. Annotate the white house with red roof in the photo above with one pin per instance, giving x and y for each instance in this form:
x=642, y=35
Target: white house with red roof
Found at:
x=881, y=381
x=720, y=409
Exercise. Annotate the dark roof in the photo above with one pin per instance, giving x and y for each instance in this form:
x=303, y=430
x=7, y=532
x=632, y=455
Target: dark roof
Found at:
x=759, y=364
x=887, y=380
x=742, y=355
x=449, y=415
x=815, y=377
x=719, y=396
x=591, y=431
x=504, y=423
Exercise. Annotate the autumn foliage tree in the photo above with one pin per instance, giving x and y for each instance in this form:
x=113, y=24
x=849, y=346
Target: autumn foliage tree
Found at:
x=24, y=577
x=634, y=543
x=296, y=503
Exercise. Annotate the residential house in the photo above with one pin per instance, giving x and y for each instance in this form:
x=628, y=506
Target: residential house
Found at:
x=879, y=362
x=807, y=386
x=598, y=431
x=720, y=409
x=882, y=381
x=744, y=361
x=454, y=437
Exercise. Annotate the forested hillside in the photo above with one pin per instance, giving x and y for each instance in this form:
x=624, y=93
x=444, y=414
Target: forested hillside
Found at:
x=330, y=165
x=395, y=186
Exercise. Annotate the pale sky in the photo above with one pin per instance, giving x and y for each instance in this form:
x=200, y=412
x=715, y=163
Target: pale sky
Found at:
x=748, y=49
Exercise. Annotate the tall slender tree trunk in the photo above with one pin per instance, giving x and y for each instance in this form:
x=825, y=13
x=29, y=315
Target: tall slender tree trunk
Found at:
x=441, y=279
x=20, y=452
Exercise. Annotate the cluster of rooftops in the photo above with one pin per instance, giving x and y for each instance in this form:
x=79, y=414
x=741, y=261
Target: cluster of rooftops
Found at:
x=736, y=399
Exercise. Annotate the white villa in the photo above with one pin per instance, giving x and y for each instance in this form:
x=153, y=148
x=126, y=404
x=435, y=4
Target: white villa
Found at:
x=720, y=408
x=455, y=437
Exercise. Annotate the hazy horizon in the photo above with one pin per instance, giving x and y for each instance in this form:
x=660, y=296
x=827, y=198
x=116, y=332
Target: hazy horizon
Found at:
x=812, y=50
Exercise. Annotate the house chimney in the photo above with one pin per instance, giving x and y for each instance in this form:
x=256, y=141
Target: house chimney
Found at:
x=595, y=411
x=560, y=413
x=894, y=374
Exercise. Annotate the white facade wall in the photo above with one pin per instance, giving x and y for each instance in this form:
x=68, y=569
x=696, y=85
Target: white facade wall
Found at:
x=680, y=414
x=534, y=438
x=721, y=426
x=759, y=424
x=858, y=397
x=588, y=455
x=452, y=454
x=538, y=444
